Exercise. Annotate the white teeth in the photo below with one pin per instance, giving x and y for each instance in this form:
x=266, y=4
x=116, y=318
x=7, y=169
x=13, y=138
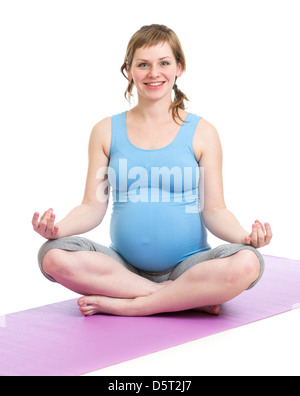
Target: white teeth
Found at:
x=155, y=84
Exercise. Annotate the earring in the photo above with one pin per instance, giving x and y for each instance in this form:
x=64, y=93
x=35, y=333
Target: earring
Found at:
x=175, y=87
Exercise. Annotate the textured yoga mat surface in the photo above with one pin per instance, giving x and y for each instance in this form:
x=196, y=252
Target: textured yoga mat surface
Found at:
x=56, y=340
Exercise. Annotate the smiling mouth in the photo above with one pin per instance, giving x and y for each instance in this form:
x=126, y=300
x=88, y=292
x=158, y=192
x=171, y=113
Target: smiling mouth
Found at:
x=155, y=84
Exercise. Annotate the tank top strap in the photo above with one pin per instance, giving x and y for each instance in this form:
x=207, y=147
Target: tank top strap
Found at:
x=187, y=131
x=184, y=138
x=118, y=133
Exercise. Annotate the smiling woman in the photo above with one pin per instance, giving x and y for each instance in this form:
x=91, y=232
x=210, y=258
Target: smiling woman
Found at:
x=159, y=259
x=154, y=74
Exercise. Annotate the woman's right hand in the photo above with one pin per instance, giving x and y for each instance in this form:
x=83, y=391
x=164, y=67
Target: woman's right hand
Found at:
x=45, y=226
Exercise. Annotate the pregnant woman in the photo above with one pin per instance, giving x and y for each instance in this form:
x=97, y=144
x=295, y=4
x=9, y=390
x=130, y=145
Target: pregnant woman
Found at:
x=163, y=166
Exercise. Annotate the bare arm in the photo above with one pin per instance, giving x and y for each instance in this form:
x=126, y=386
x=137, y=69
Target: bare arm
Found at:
x=91, y=212
x=217, y=218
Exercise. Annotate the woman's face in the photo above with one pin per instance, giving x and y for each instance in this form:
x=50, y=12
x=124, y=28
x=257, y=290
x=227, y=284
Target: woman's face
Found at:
x=154, y=70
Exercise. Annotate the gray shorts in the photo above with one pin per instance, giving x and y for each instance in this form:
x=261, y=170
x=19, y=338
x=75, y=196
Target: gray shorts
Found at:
x=76, y=243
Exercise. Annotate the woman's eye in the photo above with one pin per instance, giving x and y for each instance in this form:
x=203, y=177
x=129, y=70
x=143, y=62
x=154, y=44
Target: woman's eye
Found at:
x=143, y=65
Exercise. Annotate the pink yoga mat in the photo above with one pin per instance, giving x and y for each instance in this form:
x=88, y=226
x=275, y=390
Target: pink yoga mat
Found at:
x=55, y=340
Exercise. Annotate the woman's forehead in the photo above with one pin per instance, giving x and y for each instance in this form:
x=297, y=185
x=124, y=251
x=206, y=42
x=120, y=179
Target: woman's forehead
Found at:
x=160, y=50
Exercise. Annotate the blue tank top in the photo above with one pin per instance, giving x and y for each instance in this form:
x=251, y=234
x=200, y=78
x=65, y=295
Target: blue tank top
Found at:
x=156, y=222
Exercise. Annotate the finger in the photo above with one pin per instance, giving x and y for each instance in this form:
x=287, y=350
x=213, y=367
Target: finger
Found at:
x=260, y=237
x=55, y=233
x=35, y=220
x=45, y=218
x=247, y=240
x=46, y=214
x=51, y=221
x=50, y=225
x=254, y=235
x=260, y=224
x=42, y=217
x=42, y=226
x=269, y=234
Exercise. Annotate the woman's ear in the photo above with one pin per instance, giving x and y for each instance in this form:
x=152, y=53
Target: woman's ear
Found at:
x=128, y=72
x=179, y=70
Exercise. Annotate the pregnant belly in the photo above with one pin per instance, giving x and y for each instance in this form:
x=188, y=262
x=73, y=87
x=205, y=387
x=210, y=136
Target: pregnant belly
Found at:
x=156, y=237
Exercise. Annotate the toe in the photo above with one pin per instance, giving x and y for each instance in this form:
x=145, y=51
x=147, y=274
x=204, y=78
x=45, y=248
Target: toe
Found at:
x=82, y=301
x=214, y=309
x=210, y=309
x=88, y=312
x=84, y=309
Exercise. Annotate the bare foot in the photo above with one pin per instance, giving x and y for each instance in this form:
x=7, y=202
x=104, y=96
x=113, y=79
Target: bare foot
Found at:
x=210, y=309
x=96, y=304
x=91, y=305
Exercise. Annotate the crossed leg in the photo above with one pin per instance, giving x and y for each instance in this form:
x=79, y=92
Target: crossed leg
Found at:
x=94, y=273
x=110, y=288
x=205, y=285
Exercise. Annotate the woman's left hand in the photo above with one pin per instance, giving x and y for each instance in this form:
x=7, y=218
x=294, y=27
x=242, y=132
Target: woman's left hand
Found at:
x=260, y=235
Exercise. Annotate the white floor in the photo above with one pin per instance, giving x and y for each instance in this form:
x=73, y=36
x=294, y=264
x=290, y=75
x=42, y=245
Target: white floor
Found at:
x=270, y=347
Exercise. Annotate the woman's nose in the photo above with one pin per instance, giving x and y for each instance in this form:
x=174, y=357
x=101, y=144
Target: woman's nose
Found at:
x=154, y=72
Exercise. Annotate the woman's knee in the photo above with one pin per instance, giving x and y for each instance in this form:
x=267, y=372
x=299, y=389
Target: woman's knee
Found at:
x=244, y=266
x=56, y=262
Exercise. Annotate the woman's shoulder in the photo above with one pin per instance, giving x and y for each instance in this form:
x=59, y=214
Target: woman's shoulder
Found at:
x=203, y=127
x=101, y=134
x=105, y=124
x=101, y=126
x=205, y=130
x=206, y=136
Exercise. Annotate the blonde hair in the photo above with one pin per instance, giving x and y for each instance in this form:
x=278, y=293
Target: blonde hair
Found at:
x=149, y=36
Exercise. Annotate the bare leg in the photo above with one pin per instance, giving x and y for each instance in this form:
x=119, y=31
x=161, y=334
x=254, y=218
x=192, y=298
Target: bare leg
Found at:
x=95, y=273
x=207, y=284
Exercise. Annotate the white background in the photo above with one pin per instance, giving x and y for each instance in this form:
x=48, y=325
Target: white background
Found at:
x=59, y=72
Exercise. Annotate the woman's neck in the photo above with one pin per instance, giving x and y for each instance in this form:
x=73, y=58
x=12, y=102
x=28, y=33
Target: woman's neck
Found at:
x=150, y=111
